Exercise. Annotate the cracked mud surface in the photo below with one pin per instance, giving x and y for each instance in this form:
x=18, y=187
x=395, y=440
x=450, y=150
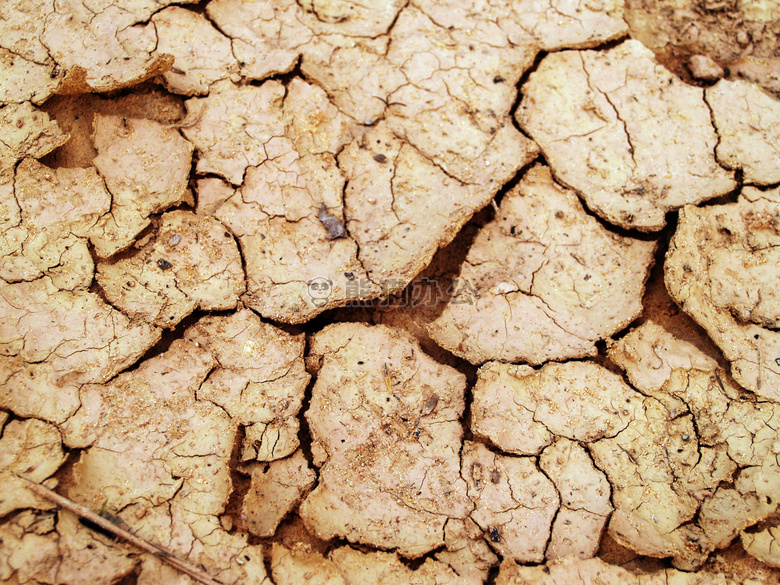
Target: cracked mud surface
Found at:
x=404, y=292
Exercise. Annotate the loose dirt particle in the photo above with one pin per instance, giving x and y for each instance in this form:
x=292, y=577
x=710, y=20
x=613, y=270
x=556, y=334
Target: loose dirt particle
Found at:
x=704, y=68
x=331, y=223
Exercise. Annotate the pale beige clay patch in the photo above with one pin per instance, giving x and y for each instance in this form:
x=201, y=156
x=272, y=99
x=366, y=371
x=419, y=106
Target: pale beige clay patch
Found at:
x=450, y=106
x=202, y=54
x=632, y=138
x=525, y=411
x=288, y=213
x=386, y=436
x=649, y=354
x=59, y=209
x=25, y=81
x=27, y=70
x=721, y=269
x=522, y=410
x=349, y=19
x=543, y=280
x=26, y=131
x=192, y=263
x=232, y=125
x=674, y=498
x=665, y=455
x=597, y=572
x=260, y=380
x=115, y=49
x=43, y=547
x=53, y=341
x=585, y=500
x=763, y=545
x=32, y=449
x=305, y=252
x=276, y=489
x=268, y=37
x=400, y=208
x=466, y=552
x=552, y=24
x=515, y=503
x=146, y=167
x=211, y=194
x=748, y=123
x=347, y=566
x=444, y=77
x=167, y=472
x=265, y=36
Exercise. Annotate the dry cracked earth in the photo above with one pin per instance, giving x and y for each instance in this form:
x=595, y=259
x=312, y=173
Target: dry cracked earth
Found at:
x=395, y=291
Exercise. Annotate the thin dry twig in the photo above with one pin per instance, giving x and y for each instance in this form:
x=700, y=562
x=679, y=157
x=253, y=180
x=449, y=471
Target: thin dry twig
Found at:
x=87, y=514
